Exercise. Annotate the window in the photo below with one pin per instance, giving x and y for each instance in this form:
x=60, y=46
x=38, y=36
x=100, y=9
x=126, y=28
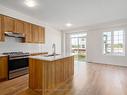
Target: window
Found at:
x=114, y=43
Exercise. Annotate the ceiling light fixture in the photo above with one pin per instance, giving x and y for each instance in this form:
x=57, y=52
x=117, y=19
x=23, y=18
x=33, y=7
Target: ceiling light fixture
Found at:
x=68, y=24
x=30, y=3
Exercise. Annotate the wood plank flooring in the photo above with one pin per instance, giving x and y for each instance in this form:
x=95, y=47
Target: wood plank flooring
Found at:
x=89, y=79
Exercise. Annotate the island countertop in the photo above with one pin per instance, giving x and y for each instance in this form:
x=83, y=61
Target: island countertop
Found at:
x=46, y=74
x=50, y=58
x=1, y=55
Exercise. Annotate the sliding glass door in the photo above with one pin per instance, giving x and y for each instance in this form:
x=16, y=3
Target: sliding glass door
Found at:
x=78, y=46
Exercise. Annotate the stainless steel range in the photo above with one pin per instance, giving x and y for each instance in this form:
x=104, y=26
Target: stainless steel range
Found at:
x=17, y=64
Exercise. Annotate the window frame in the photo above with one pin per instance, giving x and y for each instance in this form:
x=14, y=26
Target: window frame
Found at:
x=112, y=43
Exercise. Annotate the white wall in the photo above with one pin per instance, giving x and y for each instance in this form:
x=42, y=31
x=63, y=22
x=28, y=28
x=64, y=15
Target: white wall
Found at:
x=52, y=35
x=95, y=43
x=95, y=49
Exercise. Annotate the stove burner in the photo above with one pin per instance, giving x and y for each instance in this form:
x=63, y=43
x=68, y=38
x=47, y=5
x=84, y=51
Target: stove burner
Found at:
x=16, y=55
x=13, y=53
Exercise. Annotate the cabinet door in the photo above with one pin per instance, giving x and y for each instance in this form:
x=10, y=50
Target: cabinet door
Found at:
x=35, y=34
x=19, y=26
x=41, y=35
x=1, y=29
x=8, y=24
x=3, y=68
x=28, y=32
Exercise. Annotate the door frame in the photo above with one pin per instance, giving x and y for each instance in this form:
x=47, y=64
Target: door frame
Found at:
x=78, y=42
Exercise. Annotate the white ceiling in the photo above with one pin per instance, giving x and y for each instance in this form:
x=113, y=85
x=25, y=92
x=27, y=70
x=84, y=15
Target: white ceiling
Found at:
x=79, y=12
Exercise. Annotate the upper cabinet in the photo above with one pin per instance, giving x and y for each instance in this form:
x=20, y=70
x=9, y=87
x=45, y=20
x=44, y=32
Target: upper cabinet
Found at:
x=19, y=26
x=33, y=33
x=8, y=24
x=38, y=34
x=1, y=31
x=13, y=25
x=41, y=34
x=28, y=32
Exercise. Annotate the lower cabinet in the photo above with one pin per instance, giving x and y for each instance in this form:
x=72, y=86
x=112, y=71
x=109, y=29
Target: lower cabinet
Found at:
x=3, y=68
x=47, y=76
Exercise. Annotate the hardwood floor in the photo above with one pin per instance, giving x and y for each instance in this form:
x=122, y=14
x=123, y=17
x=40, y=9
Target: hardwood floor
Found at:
x=89, y=79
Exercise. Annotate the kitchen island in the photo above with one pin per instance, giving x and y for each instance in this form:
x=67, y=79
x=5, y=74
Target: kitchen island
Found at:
x=47, y=73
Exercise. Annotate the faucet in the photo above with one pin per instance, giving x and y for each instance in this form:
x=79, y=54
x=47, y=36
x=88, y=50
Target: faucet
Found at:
x=54, y=48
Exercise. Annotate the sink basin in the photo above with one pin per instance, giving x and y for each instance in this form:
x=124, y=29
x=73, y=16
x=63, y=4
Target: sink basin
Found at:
x=49, y=55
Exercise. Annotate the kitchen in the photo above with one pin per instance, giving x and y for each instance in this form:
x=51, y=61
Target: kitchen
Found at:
x=31, y=34
x=22, y=41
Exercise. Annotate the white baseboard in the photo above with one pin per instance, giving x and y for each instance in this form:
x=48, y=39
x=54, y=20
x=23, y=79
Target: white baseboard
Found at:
x=108, y=64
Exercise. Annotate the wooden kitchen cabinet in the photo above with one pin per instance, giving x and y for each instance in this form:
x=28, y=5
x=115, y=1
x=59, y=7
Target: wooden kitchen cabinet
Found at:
x=28, y=32
x=45, y=76
x=35, y=33
x=19, y=26
x=38, y=34
x=13, y=25
x=41, y=35
x=3, y=68
x=1, y=29
x=9, y=24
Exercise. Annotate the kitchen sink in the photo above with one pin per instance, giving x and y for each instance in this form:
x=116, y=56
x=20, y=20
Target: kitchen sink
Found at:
x=50, y=55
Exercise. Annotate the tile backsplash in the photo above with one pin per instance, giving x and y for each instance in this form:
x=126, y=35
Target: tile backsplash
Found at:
x=12, y=44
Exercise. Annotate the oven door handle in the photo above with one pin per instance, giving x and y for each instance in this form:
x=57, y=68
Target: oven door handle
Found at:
x=14, y=58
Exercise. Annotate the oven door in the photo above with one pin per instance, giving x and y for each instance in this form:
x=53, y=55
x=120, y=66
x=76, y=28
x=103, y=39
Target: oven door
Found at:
x=18, y=63
x=18, y=67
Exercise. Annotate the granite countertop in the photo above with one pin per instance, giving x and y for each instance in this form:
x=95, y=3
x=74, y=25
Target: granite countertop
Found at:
x=50, y=58
x=37, y=52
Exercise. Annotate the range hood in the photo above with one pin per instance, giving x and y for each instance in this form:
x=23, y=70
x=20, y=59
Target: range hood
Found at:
x=16, y=35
